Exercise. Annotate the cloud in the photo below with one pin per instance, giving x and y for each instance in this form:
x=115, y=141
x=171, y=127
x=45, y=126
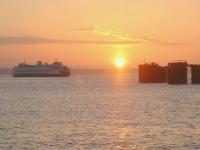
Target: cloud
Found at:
x=124, y=36
x=114, y=34
x=108, y=37
x=104, y=32
x=105, y=42
x=160, y=42
x=28, y=40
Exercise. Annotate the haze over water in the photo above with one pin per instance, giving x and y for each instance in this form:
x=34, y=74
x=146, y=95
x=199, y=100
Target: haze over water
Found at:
x=98, y=112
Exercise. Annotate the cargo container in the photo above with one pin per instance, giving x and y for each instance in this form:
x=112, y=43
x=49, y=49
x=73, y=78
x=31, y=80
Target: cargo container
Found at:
x=177, y=73
x=152, y=73
x=195, y=70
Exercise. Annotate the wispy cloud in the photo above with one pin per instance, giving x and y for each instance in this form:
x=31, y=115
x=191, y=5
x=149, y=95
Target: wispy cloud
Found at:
x=104, y=32
x=125, y=36
x=108, y=37
x=28, y=40
x=160, y=42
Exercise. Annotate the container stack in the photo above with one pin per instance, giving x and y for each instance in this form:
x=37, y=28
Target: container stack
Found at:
x=177, y=73
x=152, y=73
x=195, y=70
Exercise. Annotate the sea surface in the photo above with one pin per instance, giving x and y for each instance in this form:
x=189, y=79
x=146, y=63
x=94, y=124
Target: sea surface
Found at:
x=98, y=112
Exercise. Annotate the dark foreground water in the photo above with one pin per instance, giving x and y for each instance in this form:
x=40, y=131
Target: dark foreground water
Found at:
x=97, y=112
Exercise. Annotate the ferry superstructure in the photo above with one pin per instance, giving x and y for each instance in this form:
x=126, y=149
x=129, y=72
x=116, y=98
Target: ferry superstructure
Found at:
x=56, y=69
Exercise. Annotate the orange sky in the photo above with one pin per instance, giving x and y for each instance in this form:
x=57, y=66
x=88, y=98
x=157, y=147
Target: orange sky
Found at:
x=91, y=33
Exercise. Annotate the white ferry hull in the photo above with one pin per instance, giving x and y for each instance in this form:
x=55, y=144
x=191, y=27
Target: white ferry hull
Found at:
x=41, y=75
x=57, y=69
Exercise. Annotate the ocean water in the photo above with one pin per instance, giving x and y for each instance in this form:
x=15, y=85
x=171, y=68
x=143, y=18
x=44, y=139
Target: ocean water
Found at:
x=98, y=112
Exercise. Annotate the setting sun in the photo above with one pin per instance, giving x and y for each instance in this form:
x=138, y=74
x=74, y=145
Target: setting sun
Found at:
x=120, y=63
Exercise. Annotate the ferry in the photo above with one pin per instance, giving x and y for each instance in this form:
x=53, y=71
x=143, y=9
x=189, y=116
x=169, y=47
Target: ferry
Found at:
x=40, y=69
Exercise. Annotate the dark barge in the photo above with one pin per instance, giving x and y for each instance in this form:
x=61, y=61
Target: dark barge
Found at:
x=173, y=73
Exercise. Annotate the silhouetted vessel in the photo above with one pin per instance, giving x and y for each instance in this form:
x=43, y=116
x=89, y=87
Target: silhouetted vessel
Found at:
x=152, y=73
x=57, y=69
x=177, y=72
x=174, y=73
x=195, y=69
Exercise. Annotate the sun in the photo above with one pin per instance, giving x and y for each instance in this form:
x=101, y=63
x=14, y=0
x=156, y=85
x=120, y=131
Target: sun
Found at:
x=120, y=63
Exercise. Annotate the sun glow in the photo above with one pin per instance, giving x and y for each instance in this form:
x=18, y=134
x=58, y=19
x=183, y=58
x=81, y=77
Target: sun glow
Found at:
x=120, y=63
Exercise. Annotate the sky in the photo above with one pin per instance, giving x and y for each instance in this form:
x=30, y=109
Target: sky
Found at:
x=93, y=33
